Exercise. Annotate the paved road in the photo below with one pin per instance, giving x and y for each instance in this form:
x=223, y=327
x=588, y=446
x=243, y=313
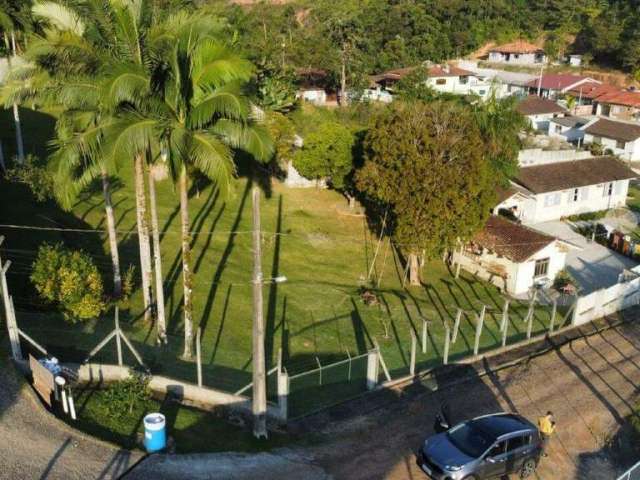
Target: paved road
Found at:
x=590, y=385
x=33, y=445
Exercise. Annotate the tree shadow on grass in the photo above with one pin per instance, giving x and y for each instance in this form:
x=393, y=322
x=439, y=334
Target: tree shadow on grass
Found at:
x=273, y=289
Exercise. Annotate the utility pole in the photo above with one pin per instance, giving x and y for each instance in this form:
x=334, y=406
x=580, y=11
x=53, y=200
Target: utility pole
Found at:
x=540, y=80
x=259, y=376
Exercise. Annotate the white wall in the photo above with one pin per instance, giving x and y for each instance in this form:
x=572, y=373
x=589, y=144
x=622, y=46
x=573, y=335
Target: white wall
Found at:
x=541, y=121
x=537, y=156
x=456, y=86
x=570, y=134
x=517, y=58
x=519, y=276
x=630, y=152
x=555, y=205
x=318, y=97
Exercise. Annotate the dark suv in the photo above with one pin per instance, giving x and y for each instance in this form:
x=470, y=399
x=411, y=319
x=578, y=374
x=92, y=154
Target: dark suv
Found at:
x=485, y=447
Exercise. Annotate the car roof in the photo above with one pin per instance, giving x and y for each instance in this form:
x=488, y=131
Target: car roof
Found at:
x=499, y=424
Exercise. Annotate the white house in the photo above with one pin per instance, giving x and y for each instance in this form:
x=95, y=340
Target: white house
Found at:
x=622, y=138
x=518, y=53
x=442, y=78
x=514, y=257
x=551, y=191
x=317, y=96
x=540, y=111
x=570, y=129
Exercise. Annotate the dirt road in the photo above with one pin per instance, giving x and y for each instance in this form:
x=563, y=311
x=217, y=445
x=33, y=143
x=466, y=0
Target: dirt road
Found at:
x=33, y=445
x=590, y=385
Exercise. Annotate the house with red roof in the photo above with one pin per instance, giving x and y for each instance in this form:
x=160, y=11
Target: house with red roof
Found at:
x=556, y=85
x=443, y=78
x=519, y=52
x=606, y=100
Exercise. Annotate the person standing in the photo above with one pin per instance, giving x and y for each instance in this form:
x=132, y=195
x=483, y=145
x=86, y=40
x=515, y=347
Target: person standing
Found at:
x=547, y=426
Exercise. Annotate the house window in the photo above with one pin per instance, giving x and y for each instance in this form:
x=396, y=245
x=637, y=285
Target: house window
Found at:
x=574, y=195
x=542, y=268
x=464, y=80
x=441, y=81
x=552, y=199
x=481, y=92
x=607, y=191
x=620, y=144
x=558, y=129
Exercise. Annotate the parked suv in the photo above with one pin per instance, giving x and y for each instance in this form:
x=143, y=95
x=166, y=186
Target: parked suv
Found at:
x=485, y=447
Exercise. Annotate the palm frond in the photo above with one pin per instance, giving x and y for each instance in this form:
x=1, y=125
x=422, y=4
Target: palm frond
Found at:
x=226, y=102
x=252, y=139
x=59, y=16
x=214, y=159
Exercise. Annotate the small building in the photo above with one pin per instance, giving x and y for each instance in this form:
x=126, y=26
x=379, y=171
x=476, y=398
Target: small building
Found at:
x=555, y=190
x=518, y=53
x=619, y=105
x=441, y=78
x=568, y=128
x=574, y=60
x=622, y=138
x=312, y=86
x=540, y=111
x=513, y=257
x=556, y=85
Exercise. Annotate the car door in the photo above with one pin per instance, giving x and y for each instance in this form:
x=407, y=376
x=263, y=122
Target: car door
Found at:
x=494, y=463
x=519, y=448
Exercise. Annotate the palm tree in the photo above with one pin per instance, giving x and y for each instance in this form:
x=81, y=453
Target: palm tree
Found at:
x=8, y=25
x=196, y=115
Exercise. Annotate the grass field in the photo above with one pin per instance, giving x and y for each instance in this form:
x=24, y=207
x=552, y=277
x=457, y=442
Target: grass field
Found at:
x=316, y=316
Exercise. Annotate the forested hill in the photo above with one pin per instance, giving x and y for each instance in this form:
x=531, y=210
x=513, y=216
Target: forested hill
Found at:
x=382, y=34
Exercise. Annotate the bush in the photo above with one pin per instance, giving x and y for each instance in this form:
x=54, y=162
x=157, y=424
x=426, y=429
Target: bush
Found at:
x=588, y=217
x=35, y=176
x=70, y=280
x=127, y=396
x=563, y=279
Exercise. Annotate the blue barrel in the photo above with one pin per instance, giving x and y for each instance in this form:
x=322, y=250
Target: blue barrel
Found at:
x=155, y=433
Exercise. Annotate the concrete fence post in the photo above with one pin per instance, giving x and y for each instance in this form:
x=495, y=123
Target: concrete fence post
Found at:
x=414, y=347
x=283, y=394
x=118, y=339
x=425, y=336
x=447, y=342
x=554, y=312
x=199, y=355
x=479, y=325
x=372, y=369
x=456, y=326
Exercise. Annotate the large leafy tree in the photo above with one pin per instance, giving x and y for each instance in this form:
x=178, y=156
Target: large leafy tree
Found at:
x=425, y=163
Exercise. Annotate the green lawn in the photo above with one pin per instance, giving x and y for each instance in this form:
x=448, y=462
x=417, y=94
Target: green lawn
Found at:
x=316, y=316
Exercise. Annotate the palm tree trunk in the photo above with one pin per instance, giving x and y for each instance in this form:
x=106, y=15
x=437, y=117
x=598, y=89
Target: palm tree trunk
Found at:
x=16, y=112
x=113, y=239
x=186, y=267
x=157, y=261
x=143, y=236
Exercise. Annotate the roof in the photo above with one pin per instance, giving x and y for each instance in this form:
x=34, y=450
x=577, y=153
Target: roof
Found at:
x=553, y=177
x=605, y=93
x=626, y=132
x=505, y=193
x=559, y=81
x=511, y=240
x=624, y=98
x=502, y=424
x=432, y=71
x=534, y=105
x=570, y=122
x=519, y=46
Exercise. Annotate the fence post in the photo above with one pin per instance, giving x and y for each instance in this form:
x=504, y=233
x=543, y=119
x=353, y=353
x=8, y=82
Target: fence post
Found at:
x=504, y=334
x=554, y=311
x=12, y=326
x=383, y=364
x=505, y=315
x=479, y=325
x=372, y=369
x=447, y=341
x=456, y=326
x=320, y=368
x=531, y=313
x=283, y=394
x=425, y=325
x=118, y=339
x=414, y=347
x=199, y=355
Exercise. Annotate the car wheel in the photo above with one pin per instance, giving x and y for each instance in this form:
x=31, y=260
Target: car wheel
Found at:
x=528, y=468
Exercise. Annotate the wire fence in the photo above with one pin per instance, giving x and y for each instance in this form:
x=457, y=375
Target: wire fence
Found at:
x=632, y=474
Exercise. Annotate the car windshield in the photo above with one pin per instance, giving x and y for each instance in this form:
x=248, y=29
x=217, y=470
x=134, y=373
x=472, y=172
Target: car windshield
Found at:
x=469, y=440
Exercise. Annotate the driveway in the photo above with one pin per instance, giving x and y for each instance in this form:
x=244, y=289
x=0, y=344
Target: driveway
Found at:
x=591, y=264
x=36, y=445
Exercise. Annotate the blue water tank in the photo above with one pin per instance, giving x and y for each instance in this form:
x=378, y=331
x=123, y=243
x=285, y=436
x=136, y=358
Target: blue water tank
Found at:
x=155, y=432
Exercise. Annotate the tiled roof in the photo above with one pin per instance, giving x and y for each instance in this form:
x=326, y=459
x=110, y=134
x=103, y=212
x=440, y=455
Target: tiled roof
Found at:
x=558, y=81
x=624, y=98
x=512, y=240
x=534, y=105
x=605, y=93
x=432, y=71
x=519, y=46
x=554, y=177
x=570, y=122
x=623, y=131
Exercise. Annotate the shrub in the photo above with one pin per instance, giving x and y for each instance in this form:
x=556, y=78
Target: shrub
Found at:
x=70, y=280
x=35, y=176
x=127, y=396
x=563, y=278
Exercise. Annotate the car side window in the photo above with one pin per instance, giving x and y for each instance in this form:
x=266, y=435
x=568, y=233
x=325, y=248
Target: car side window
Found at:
x=518, y=442
x=497, y=449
